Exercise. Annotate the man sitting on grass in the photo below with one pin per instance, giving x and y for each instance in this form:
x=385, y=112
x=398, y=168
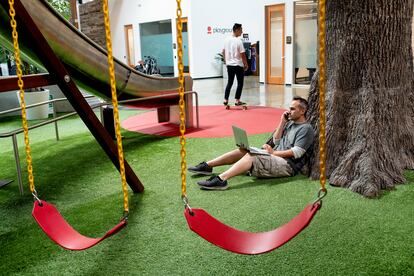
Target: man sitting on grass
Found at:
x=287, y=148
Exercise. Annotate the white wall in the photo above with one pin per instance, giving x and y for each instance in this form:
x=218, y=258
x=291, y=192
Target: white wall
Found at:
x=134, y=12
x=219, y=15
x=203, y=47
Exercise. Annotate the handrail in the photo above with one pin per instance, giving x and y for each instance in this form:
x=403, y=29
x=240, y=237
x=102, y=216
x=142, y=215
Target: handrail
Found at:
x=163, y=96
x=20, y=130
x=38, y=104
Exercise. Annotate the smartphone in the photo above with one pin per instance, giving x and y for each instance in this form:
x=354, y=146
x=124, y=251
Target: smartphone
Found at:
x=286, y=116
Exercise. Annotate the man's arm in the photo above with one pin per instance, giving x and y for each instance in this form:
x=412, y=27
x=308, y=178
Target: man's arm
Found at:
x=281, y=153
x=244, y=59
x=303, y=140
x=242, y=54
x=277, y=134
x=223, y=52
x=279, y=130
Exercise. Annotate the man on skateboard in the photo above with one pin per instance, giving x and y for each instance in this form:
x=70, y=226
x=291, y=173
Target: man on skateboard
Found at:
x=236, y=63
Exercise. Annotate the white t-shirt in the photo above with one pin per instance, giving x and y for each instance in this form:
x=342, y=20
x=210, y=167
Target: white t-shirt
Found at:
x=233, y=47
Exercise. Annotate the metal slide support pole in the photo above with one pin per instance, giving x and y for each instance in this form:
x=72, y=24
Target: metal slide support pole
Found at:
x=101, y=113
x=17, y=160
x=56, y=122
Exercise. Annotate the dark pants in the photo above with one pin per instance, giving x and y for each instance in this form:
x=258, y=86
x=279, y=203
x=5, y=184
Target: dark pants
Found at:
x=239, y=73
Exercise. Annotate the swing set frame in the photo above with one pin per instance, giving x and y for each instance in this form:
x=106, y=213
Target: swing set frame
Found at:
x=59, y=75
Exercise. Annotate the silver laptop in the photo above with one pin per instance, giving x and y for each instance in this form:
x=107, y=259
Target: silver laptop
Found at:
x=240, y=136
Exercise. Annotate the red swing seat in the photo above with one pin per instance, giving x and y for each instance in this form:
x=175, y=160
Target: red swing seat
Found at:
x=242, y=242
x=59, y=230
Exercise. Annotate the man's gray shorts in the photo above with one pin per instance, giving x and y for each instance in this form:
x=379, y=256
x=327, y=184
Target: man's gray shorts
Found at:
x=270, y=166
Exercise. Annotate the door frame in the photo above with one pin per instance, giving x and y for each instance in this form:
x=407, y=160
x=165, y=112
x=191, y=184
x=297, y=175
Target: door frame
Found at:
x=130, y=57
x=185, y=20
x=274, y=79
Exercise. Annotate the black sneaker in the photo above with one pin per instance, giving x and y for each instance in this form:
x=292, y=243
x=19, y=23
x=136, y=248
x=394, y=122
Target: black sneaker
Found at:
x=201, y=168
x=213, y=183
x=239, y=103
x=226, y=103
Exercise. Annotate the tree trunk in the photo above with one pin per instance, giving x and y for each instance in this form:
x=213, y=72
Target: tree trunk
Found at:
x=369, y=95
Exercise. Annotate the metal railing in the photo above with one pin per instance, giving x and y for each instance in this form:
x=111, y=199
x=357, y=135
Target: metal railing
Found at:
x=55, y=119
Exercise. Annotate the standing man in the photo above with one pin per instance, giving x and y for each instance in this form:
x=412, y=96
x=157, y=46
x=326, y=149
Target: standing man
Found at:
x=236, y=63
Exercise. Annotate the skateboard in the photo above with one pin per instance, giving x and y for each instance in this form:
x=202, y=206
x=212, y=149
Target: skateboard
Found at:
x=243, y=106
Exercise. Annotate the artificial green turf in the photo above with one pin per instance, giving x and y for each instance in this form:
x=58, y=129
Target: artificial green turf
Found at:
x=350, y=235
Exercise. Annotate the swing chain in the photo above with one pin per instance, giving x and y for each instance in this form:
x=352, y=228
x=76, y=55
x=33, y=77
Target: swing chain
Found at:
x=36, y=198
x=322, y=82
x=321, y=194
x=125, y=216
x=187, y=205
x=182, y=101
x=115, y=104
x=20, y=83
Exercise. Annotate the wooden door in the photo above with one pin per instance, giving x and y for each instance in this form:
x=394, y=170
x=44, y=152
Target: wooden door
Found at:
x=275, y=44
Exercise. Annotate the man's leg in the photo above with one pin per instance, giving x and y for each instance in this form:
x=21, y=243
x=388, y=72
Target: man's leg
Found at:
x=240, y=82
x=231, y=72
x=228, y=158
x=241, y=166
x=220, y=182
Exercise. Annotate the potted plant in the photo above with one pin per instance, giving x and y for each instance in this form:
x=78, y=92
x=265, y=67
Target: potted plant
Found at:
x=4, y=61
x=34, y=96
x=220, y=58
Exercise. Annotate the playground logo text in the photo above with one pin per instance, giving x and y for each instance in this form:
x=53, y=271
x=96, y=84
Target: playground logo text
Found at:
x=218, y=30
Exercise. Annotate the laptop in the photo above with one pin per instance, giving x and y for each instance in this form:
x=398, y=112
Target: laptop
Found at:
x=240, y=136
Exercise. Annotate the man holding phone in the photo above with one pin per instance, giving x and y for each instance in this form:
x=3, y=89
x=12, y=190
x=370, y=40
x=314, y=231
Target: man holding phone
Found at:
x=288, y=146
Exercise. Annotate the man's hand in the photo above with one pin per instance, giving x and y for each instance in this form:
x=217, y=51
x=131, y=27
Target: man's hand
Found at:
x=246, y=67
x=285, y=116
x=268, y=148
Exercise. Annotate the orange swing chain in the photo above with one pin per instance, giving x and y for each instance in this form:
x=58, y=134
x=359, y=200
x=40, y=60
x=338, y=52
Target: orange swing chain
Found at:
x=115, y=105
x=322, y=83
x=20, y=83
x=181, y=103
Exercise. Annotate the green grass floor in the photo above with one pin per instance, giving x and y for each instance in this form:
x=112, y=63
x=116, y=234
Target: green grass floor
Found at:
x=350, y=235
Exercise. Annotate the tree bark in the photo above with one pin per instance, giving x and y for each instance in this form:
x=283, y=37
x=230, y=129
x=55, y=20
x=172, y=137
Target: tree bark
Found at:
x=369, y=95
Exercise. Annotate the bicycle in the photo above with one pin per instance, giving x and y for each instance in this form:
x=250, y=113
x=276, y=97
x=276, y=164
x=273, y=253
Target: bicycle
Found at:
x=148, y=66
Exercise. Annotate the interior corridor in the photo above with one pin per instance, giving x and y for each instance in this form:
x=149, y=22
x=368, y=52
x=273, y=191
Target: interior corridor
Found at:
x=211, y=92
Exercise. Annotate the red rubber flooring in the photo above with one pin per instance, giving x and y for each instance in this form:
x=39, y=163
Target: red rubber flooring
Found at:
x=215, y=121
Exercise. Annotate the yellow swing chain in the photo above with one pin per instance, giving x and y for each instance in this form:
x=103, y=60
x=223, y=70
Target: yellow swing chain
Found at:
x=20, y=83
x=322, y=83
x=115, y=105
x=181, y=103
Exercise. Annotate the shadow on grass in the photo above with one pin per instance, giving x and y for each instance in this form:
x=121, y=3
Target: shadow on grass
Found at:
x=29, y=239
x=263, y=181
x=251, y=184
x=65, y=167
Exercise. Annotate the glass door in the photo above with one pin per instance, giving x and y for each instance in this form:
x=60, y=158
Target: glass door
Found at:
x=306, y=37
x=156, y=46
x=275, y=42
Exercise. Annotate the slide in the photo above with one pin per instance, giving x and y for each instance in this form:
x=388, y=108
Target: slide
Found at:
x=86, y=61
